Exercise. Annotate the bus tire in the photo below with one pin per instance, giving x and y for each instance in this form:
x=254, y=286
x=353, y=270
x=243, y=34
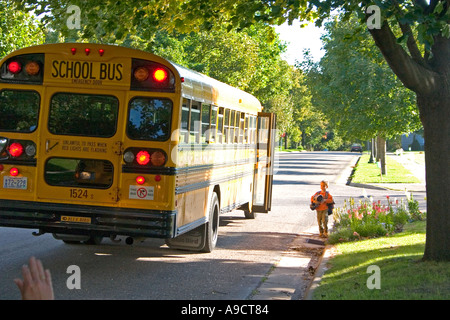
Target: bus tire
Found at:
x=212, y=226
x=202, y=238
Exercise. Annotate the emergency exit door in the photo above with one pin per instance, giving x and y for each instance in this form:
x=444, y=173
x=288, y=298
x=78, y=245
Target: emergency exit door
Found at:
x=265, y=155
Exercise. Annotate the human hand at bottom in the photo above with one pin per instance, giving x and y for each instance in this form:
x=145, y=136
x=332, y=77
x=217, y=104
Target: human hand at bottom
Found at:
x=36, y=283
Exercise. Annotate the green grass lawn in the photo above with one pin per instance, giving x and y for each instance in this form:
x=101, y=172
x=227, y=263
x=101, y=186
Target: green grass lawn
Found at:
x=370, y=173
x=403, y=275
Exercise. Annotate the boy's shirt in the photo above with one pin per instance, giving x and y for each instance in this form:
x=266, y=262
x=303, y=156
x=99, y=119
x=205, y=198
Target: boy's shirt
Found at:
x=323, y=206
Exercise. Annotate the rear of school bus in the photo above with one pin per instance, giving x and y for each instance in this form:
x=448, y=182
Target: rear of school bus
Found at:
x=85, y=140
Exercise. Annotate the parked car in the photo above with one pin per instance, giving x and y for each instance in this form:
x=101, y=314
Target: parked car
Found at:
x=356, y=147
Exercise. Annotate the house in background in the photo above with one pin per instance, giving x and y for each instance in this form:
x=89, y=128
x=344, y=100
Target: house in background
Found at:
x=414, y=141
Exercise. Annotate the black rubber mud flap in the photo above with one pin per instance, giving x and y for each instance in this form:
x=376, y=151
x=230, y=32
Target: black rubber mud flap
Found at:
x=193, y=240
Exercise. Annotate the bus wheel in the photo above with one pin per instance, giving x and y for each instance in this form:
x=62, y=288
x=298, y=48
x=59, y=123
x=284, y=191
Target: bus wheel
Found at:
x=212, y=226
x=202, y=238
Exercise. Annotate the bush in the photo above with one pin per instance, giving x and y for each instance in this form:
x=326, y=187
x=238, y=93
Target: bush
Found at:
x=413, y=207
x=369, y=219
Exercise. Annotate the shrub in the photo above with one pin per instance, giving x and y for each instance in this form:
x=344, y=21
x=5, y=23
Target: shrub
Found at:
x=413, y=208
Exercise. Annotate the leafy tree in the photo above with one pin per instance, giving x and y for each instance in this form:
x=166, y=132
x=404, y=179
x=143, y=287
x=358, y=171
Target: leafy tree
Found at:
x=18, y=29
x=355, y=81
x=357, y=90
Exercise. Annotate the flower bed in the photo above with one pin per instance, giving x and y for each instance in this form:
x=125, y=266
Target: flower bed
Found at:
x=368, y=219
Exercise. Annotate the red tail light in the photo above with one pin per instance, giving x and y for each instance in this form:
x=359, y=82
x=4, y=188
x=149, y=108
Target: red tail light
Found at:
x=14, y=172
x=143, y=158
x=15, y=150
x=140, y=180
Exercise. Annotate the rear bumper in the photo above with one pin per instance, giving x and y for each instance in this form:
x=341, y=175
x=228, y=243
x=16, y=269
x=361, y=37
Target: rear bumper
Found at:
x=102, y=221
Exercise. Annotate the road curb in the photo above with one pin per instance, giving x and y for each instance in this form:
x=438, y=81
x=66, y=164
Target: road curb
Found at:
x=348, y=170
x=321, y=269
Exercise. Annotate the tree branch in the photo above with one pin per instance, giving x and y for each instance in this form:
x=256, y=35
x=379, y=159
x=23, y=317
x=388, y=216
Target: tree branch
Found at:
x=413, y=75
x=411, y=43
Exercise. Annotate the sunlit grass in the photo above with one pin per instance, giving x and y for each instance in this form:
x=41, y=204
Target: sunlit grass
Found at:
x=403, y=274
x=370, y=173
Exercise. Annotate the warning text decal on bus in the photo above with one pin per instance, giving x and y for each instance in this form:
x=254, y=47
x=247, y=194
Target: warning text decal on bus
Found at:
x=87, y=72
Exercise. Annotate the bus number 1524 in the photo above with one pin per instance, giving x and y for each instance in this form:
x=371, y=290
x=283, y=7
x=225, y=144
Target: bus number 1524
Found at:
x=78, y=194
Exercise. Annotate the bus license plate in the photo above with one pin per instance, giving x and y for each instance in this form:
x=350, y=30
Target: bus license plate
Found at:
x=75, y=219
x=20, y=183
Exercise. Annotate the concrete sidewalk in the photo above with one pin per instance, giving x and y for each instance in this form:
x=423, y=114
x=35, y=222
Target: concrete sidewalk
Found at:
x=291, y=277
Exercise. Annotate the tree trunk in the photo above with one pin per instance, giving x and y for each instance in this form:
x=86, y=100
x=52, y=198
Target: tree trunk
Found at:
x=381, y=153
x=430, y=80
x=374, y=148
x=435, y=119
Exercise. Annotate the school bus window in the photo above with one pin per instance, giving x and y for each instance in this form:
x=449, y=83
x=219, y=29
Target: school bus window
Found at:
x=213, y=131
x=220, y=125
x=252, y=130
x=206, y=122
x=194, y=132
x=241, y=127
x=73, y=172
x=232, y=126
x=149, y=119
x=19, y=110
x=226, y=125
x=237, y=127
x=83, y=115
x=246, y=128
x=184, y=119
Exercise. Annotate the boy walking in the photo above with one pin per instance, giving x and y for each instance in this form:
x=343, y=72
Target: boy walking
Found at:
x=322, y=198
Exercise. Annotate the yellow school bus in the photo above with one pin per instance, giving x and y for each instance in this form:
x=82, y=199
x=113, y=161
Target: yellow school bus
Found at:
x=104, y=141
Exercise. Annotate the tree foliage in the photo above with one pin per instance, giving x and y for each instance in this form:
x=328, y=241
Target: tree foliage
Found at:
x=355, y=87
x=17, y=28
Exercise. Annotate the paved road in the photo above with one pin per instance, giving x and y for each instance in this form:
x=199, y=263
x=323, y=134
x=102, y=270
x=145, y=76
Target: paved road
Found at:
x=246, y=252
